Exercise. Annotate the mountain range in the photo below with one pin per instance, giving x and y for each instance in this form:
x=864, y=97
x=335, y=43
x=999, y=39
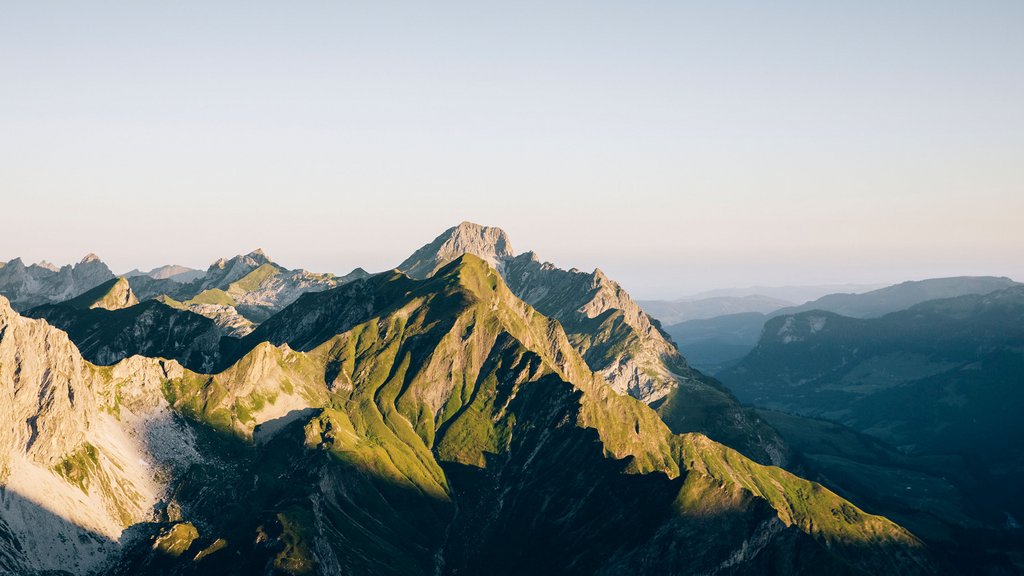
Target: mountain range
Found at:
x=933, y=391
x=43, y=283
x=175, y=272
x=471, y=411
x=714, y=343
x=401, y=426
x=676, y=311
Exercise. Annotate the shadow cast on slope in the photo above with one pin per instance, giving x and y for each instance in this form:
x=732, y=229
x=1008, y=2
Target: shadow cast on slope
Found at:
x=35, y=540
x=283, y=506
x=151, y=328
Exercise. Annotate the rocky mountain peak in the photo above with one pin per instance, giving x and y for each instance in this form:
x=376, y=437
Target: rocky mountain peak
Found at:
x=258, y=255
x=90, y=257
x=253, y=259
x=530, y=256
x=488, y=243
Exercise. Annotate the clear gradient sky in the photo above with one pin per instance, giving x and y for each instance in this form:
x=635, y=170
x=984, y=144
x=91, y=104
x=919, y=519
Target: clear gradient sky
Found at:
x=679, y=146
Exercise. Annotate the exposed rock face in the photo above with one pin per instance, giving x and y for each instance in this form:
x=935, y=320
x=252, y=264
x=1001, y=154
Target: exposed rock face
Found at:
x=616, y=337
x=236, y=293
x=227, y=318
x=147, y=288
x=28, y=286
x=76, y=466
x=490, y=244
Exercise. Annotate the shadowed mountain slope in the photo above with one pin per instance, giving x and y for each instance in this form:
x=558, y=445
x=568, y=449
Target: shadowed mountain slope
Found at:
x=150, y=329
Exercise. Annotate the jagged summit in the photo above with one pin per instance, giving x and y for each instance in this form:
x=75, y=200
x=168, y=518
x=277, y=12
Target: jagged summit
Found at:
x=253, y=259
x=44, y=283
x=489, y=243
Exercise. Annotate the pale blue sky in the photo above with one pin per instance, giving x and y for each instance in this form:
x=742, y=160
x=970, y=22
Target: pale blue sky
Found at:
x=680, y=146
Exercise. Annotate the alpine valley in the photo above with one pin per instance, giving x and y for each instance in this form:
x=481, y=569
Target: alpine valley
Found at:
x=478, y=411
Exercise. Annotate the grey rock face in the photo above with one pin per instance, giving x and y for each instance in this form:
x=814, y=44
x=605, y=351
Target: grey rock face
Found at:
x=84, y=452
x=35, y=284
x=490, y=244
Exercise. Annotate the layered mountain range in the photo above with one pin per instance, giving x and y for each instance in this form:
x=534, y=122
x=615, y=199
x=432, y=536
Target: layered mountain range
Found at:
x=473, y=411
x=715, y=342
x=929, y=398
x=957, y=360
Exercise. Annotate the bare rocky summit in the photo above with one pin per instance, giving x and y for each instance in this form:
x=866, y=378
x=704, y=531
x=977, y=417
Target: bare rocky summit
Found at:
x=35, y=284
x=487, y=243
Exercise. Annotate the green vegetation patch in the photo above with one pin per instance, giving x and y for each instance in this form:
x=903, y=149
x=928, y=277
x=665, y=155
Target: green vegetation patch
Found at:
x=78, y=467
x=218, y=545
x=296, y=558
x=213, y=296
x=253, y=280
x=177, y=539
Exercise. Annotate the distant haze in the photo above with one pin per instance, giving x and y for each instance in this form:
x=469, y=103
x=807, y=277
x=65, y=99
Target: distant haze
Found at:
x=678, y=146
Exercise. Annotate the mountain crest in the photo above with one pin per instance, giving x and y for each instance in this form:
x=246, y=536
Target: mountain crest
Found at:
x=491, y=244
x=113, y=294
